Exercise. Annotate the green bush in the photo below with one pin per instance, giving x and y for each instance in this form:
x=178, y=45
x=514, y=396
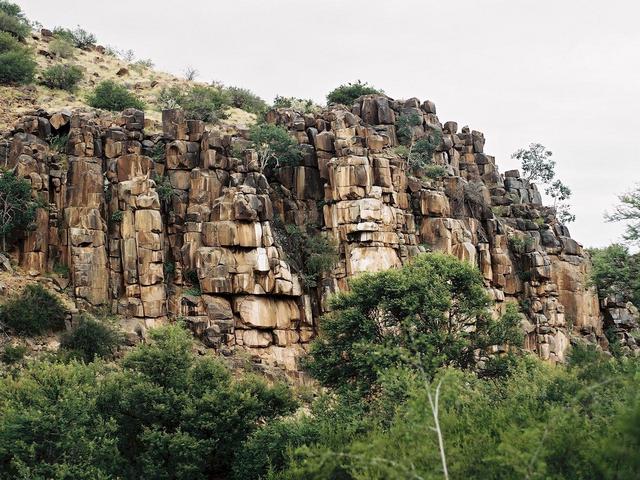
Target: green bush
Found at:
x=78, y=37
x=199, y=102
x=616, y=271
x=109, y=95
x=347, y=94
x=275, y=146
x=18, y=208
x=90, y=339
x=246, y=100
x=16, y=61
x=61, y=47
x=429, y=313
x=164, y=189
x=33, y=312
x=62, y=77
x=298, y=104
x=434, y=171
x=13, y=21
x=13, y=353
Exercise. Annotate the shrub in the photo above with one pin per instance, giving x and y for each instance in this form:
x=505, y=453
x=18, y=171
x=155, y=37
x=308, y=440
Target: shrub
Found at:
x=246, y=100
x=90, y=339
x=33, y=312
x=275, y=147
x=63, y=77
x=117, y=216
x=78, y=37
x=348, y=93
x=109, y=95
x=61, y=47
x=13, y=353
x=164, y=189
x=616, y=272
x=17, y=208
x=435, y=171
x=298, y=104
x=16, y=61
x=405, y=318
x=13, y=21
x=205, y=103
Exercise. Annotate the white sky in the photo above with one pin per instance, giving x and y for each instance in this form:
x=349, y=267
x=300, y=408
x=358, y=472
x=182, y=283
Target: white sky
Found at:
x=565, y=73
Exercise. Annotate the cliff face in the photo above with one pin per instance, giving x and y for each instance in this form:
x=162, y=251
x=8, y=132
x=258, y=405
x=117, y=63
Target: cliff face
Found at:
x=138, y=254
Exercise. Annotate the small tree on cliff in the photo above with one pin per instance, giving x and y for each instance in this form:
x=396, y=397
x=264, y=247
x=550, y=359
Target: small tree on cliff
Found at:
x=628, y=210
x=420, y=150
x=431, y=312
x=538, y=166
x=17, y=208
x=275, y=147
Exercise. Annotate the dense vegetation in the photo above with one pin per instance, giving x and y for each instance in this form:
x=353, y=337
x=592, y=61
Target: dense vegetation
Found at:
x=17, y=208
x=32, y=312
x=275, y=146
x=13, y=21
x=616, y=272
x=16, y=61
x=348, y=93
x=109, y=95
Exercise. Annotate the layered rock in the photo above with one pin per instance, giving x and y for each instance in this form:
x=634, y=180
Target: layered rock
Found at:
x=176, y=225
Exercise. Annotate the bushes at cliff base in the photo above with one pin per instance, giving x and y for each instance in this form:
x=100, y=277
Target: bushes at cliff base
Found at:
x=109, y=95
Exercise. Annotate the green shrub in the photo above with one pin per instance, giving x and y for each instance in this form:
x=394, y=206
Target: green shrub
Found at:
x=13, y=353
x=78, y=36
x=435, y=171
x=298, y=104
x=275, y=146
x=246, y=100
x=61, y=47
x=616, y=271
x=164, y=189
x=109, y=95
x=33, y=312
x=348, y=93
x=16, y=61
x=90, y=339
x=18, y=208
x=13, y=21
x=117, y=216
x=62, y=77
x=199, y=102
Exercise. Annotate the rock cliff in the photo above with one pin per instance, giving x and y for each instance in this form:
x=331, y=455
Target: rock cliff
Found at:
x=206, y=248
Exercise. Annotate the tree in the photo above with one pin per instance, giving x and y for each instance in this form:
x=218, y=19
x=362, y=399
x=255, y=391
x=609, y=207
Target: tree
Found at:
x=628, y=211
x=420, y=148
x=275, y=147
x=537, y=166
x=429, y=313
x=348, y=93
x=17, y=208
x=616, y=272
x=109, y=95
x=13, y=21
x=90, y=339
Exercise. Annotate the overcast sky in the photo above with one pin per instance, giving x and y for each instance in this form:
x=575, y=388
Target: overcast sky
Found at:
x=565, y=73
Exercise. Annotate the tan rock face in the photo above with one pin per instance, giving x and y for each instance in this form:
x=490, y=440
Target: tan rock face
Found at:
x=198, y=233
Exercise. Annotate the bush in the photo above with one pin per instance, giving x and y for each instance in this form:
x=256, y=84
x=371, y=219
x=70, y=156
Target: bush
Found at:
x=33, y=312
x=246, y=100
x=18, y=209
x=404, y=317
x=298, y=104
x=349, y=93
x=91, y=339
x=78, y=37
x=435, y=171
x=199, y=103
x=275, y=146
x=63, y=77
x=61, y=47
x=13, y=21
x=109, y=95
x=16, y=61
x=13, y=353
x=164, y=189
x=616, y=272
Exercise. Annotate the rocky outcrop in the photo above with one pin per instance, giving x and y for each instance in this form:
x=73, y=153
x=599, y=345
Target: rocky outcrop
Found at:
x=182, y=225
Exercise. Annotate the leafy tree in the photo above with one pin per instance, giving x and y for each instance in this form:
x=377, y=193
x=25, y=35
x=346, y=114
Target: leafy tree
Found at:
x=33, y=312
x=348, y=93
x=628, y=211
x=431, y=312
x=418, y=150
x=109, y=95
x=16, y=61
x=90, y=339
x=206, y=103
x=275, y=147
x=63, y=77
x=79, y=37
x=13, y=21
x=298, y=104
x=538, y=166
x=17, y=208
x=616, y=272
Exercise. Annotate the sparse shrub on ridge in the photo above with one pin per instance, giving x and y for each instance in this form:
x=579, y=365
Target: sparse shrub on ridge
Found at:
x=109, y=95
x=246, y=100
x=63, y=77
x=78, y=36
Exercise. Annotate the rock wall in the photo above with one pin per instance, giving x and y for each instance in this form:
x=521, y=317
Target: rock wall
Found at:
x=182, y=224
